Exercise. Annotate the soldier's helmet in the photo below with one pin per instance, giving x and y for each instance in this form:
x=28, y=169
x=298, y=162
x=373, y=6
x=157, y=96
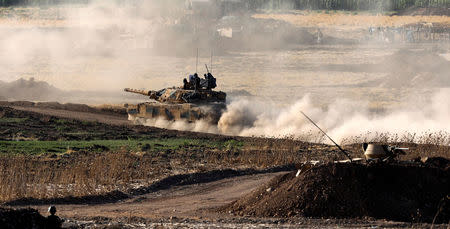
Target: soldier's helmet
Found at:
x=52, y=209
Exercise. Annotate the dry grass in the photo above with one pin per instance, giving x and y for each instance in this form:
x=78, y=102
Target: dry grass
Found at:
x=88, y=173
x=309, y=19
x=77, y=175
x=51, y=17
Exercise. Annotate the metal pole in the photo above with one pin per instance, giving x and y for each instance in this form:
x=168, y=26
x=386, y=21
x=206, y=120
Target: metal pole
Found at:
x=343, y=151
x=196, y=62
x=210, y=61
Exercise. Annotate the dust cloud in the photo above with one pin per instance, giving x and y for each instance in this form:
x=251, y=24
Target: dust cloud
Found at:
x=341, y=120
x=105, y=45
x=81, y=47
x=198, y=126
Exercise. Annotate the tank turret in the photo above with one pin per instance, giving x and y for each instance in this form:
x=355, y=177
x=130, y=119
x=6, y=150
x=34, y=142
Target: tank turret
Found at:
x=178, y=95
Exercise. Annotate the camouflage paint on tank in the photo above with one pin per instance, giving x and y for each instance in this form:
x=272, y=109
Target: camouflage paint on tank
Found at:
x=172, y=112
x=175, y=104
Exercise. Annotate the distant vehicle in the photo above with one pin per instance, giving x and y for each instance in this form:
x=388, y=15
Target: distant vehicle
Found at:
x=193, y=101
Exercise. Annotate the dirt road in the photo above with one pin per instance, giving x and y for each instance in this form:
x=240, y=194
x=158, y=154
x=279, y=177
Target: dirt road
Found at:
x=190, y=201
x=79, y=115
x=191, y=206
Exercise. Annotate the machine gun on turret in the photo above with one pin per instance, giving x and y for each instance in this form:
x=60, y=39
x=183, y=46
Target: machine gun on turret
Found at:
x=209, y=82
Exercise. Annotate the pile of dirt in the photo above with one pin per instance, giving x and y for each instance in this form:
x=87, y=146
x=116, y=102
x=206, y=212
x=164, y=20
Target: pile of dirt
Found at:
x=21, y=218
x=31, y=89
x=405, y=192
x=104, y=109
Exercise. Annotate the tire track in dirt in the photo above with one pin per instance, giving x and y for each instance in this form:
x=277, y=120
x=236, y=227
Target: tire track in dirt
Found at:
x=179, y=201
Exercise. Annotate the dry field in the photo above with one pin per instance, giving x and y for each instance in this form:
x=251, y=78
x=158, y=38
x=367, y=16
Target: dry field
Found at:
x=55, y=16
x=94, y=158
x=352, y=20
x=139, y=176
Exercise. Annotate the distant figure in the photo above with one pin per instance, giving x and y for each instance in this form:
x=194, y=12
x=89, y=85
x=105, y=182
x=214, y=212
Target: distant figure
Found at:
x=186, y=84
x=53, y=221
x=196, y=82
x=211, y=81
x=381, y=34
x=319, y=36
x=410, y=36
x=204, y=83
x=192, y=78
x=188, y=5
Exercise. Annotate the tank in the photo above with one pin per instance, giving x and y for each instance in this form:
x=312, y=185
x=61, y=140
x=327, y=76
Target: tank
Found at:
x=186, y=103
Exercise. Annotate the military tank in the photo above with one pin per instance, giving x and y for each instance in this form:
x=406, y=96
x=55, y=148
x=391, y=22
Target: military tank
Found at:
x=193, y=101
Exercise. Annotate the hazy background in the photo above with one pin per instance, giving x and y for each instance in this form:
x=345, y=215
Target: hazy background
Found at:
x=89, y=53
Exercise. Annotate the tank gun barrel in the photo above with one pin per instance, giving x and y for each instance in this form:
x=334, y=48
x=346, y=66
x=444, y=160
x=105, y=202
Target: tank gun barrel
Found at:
x=136, y=91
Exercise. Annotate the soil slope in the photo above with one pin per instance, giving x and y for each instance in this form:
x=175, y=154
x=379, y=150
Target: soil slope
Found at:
x=21, y=218
x=390, y=191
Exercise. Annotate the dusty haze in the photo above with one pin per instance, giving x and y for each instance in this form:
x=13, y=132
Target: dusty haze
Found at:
x=349, y=89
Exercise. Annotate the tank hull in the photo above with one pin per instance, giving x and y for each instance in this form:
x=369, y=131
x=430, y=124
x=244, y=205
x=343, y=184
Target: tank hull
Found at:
x=187, y=112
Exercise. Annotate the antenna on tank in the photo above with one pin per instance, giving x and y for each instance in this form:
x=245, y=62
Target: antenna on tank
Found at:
x=210, y=61
x=343, y=151
x=196, y=62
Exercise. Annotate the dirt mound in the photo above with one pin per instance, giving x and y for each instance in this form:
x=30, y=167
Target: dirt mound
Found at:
x=21, y=218
x=389, y=191
x=23, y=89
x=104, y=109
